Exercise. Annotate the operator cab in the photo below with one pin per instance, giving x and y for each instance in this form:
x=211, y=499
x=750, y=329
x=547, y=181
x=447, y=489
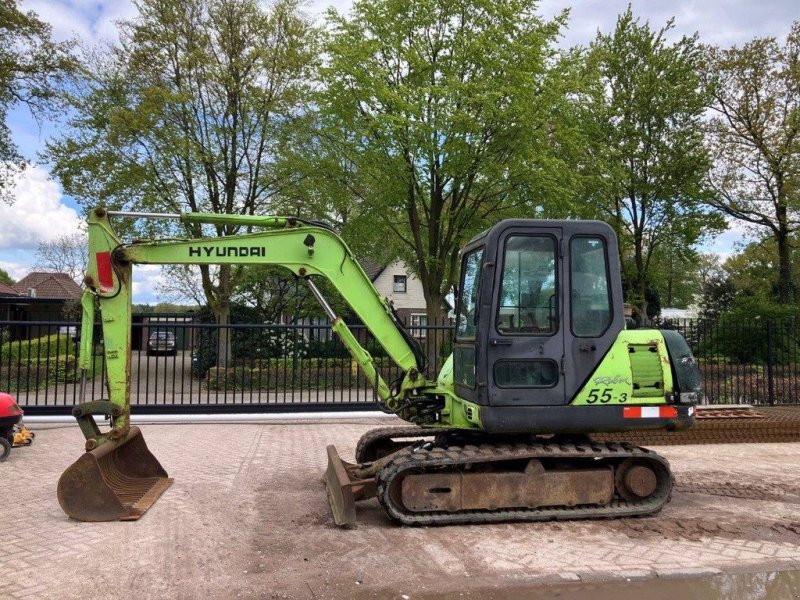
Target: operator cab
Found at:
x=539, y=305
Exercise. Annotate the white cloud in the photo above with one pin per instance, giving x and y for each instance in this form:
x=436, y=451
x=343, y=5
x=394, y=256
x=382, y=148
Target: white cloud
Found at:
x=87, y=20
x=720, y=23
x=145, y=282
x=37, y=213
x=726, y=244
x=15, y=270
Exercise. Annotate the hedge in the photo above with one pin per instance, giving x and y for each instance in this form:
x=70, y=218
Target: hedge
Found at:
x=277, y=374
x=33, y=374
x=38, y=348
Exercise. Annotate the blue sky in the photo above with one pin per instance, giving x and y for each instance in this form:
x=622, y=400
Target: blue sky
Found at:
x=41, y=211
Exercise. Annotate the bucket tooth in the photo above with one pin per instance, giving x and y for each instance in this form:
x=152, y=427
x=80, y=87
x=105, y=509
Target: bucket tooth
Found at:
x=118, y=481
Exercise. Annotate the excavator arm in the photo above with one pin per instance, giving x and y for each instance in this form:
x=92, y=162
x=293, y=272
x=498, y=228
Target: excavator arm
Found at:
x=306, y=249
x=118, y=456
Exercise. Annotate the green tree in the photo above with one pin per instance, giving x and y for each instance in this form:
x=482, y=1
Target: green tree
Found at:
x=674, y=274
x=645, y=145
x=273, y=295
x=754, y=270
x=6, y=278
x=755, y=140
x=32, y=69
x=186, y=114
x=436, y=118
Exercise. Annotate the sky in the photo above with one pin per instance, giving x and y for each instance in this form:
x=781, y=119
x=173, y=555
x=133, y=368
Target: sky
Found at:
x=41, y=212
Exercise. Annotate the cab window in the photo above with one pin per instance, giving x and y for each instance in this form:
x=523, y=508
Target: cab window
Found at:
x=468, y=295
x=590, y=300
x=528, y=296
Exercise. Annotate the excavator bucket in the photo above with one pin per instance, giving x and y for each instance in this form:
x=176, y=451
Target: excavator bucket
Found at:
x=344, y=488
x=118, y=481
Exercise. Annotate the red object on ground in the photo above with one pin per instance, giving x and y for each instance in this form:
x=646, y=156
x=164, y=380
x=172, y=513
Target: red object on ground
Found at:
x=10, y=413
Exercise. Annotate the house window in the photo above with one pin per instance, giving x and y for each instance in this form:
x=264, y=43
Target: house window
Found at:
x=420, y=322
x=400, y=283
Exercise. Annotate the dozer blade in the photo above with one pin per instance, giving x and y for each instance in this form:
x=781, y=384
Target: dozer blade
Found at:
x=118, y=481
x=344, y=490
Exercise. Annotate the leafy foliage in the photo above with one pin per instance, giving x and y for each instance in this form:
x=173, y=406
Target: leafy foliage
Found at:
x=32, y=70
x=753, y=328
x=646, y=156
x=48, y=346
x=755, y=140
x=249, y=343
x=5, y=277
x=434, y=119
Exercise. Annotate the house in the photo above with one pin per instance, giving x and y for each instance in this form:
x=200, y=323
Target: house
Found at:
x=398, y=284
x=395, y=282
x=39, y=296
x=6, y=290
x=691, y=312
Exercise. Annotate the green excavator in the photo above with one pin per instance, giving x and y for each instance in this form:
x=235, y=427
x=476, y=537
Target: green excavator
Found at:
x=541, y=360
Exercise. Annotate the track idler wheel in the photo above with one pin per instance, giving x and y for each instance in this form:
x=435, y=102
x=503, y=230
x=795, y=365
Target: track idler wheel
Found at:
x=635, y=481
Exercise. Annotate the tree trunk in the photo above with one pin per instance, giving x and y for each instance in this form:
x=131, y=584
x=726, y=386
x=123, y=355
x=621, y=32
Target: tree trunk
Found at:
x=220, y=303
x=224, y=347
x=641, y=281
x=785, y=284
x=435, y=339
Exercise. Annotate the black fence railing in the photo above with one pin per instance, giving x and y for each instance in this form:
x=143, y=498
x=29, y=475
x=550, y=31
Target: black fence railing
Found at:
x=745, y=362
x=178, y=365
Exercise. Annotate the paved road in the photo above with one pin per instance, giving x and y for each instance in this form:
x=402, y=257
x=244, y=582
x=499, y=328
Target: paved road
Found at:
x=247, y=517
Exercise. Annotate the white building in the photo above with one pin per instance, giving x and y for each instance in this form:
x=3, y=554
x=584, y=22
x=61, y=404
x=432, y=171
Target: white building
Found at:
x=397, y=283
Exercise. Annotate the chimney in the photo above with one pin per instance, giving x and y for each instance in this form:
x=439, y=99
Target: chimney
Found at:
x=31, y=292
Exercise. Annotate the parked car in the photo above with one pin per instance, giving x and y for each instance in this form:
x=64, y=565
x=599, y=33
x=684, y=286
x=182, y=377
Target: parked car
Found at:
x=162, y=342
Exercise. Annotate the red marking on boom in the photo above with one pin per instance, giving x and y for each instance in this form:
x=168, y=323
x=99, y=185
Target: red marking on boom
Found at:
x=104, y=272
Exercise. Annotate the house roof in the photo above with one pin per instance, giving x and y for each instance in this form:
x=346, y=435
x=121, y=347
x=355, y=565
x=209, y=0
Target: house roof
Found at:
x=7, y=290
x=57, y=286
x=371, y=268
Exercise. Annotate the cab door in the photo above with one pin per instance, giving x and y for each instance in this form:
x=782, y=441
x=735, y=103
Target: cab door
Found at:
x=525, y=346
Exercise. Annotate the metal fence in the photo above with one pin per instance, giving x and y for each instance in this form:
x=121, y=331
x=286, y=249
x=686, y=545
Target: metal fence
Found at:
x=305, y=367
x=745, y=362
x=174, y=366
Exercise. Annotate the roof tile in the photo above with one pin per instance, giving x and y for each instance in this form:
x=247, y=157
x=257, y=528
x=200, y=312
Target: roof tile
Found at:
x=58, y=286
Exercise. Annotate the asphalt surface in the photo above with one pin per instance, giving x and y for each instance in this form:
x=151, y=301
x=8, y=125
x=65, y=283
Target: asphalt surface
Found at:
x=247, y=517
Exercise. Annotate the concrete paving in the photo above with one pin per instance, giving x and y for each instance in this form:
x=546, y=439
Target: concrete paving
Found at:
x=247, y=517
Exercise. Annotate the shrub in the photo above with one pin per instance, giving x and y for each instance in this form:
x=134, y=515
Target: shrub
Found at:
x=38, y=374
x=309, y=373
x=751, y=330
x=37, y=348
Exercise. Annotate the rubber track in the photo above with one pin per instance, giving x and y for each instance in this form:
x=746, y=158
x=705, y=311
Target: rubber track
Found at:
x=408, y=459
x=385, y=433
